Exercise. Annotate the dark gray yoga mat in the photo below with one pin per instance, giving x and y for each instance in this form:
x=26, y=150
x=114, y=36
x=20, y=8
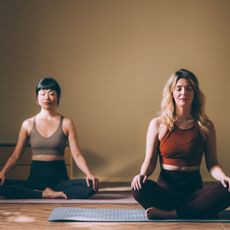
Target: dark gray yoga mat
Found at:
x=118, y=215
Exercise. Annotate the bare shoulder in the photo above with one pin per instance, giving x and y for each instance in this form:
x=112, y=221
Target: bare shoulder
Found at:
x=156, y=125
x=67, y=122
x=68, y=125
x=27, y=124
x=210, y=124
x=155, y=122
x=208, y=129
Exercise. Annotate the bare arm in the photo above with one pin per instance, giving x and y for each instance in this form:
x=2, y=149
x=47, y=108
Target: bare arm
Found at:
x=76, y=153
x=15, y=156
x=211, y=158
x=151, y=154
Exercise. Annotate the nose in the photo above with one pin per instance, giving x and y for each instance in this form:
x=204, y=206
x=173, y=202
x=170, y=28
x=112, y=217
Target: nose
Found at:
x=47, y=95
x=183, y=91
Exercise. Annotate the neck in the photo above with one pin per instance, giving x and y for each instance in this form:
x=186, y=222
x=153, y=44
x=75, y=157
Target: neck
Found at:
x=47, y=113
x=183, y=114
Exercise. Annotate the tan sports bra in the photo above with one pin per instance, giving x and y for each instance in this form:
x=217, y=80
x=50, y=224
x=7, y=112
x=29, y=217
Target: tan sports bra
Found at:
x=53, y=145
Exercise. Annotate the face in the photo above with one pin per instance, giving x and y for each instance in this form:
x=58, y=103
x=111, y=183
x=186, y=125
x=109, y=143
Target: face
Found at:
x=183, y=93
x=47, y=98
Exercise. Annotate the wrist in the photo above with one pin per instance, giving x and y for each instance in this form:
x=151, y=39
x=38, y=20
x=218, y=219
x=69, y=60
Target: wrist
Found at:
x=89, y=175
x=2, y=173
x=142, y=174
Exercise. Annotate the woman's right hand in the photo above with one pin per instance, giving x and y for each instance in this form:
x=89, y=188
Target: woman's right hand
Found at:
x=2, y=178
x=137, y=181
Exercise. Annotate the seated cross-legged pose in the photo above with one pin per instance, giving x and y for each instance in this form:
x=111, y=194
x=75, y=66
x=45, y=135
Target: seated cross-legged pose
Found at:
x=48, y=133
x=179, y=137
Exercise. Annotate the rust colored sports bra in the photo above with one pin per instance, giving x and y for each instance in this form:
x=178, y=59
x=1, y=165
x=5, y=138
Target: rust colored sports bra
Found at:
x=182, y=147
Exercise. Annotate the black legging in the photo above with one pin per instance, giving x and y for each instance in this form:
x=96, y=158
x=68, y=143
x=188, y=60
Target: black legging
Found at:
x=184, y=192
x=43, y=174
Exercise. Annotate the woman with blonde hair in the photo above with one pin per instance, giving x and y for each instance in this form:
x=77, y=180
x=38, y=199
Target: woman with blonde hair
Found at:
x=179, y=137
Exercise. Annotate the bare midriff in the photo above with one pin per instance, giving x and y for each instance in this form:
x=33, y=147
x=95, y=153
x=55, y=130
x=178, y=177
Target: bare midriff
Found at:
x=47, y=158
x=180, y=168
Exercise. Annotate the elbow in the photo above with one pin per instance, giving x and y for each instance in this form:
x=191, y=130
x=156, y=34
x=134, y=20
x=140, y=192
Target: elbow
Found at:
x=212, y=167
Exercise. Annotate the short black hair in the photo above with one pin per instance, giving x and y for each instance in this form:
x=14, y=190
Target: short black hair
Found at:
x=49, y=83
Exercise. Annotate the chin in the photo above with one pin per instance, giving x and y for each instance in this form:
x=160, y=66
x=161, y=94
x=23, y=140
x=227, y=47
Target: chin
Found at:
x=183, y=104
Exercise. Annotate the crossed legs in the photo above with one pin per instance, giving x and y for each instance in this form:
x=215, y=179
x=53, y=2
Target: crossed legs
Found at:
x=161, y=202
x=22, y=189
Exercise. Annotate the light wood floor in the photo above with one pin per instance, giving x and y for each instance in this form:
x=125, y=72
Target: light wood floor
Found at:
x=35, y=217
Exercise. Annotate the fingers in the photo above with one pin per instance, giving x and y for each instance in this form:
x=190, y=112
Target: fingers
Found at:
x=64, y=196
x=134, y=184
x=145, y=178
x=226, y=183
x=2, y=181
x=87, y=181
x=138, y=181
x=95, y=184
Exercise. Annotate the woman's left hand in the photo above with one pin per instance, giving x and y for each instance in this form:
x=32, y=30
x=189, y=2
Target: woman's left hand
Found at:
x=94, y=181
x=226, y=182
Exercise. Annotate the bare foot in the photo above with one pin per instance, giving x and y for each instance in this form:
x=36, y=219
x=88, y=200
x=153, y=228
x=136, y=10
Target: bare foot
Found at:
x=48, y=193
x=155, y=213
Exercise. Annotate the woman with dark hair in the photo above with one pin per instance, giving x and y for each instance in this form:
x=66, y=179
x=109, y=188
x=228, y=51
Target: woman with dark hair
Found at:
x=48, y=133
x=179, y=137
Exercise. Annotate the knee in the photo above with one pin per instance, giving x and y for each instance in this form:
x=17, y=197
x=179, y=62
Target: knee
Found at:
x=89, y=192
x=221, y=190
x=136, y=194
x=144, y=188
x=7, y=190
x=78, y=189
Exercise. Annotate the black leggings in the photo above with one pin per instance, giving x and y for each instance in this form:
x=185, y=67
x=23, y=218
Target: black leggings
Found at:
x=43, y=174
x=184, y=192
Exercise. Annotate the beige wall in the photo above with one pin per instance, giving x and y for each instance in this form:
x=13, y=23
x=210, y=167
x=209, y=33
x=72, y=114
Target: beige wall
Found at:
x=112, y=58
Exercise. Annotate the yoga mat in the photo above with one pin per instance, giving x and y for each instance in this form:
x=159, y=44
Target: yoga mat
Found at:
x=99, y=198
x=116, y=215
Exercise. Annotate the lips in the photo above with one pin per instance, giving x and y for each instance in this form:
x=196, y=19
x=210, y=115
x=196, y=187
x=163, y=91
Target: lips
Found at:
x=47, y=102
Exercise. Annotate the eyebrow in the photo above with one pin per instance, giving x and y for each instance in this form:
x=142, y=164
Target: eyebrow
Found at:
x=189, y=85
